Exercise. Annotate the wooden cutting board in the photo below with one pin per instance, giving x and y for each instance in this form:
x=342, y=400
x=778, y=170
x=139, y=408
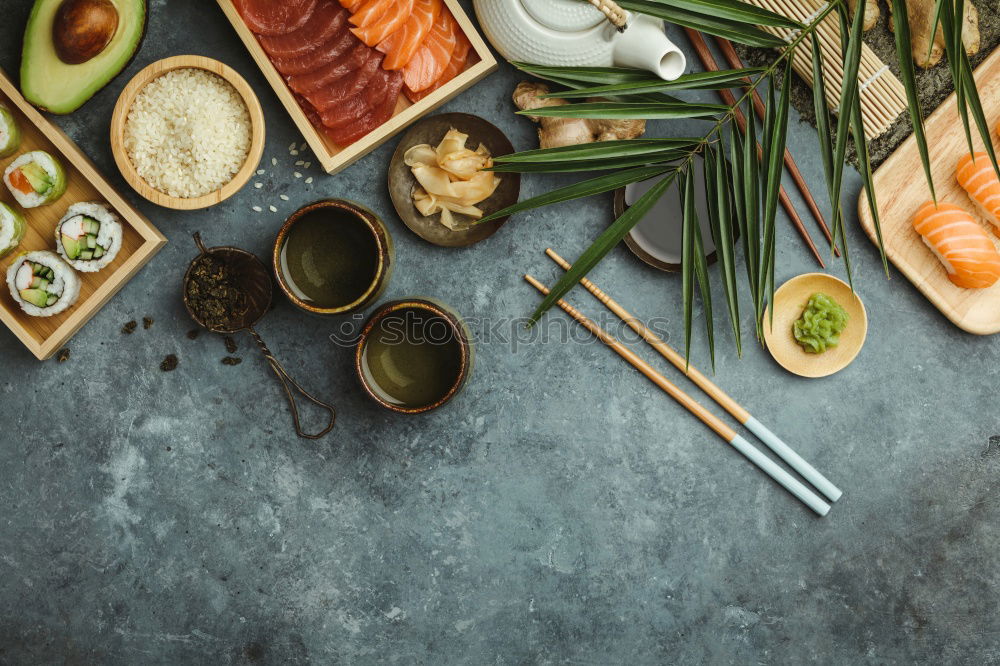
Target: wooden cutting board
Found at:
x=901, y=187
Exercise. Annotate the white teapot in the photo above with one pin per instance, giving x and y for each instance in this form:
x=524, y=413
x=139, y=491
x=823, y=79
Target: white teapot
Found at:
x=574, y=33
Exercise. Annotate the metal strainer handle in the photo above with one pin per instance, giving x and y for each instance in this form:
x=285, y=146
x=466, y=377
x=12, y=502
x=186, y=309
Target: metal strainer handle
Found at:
x=612, y=11
x=287, y=383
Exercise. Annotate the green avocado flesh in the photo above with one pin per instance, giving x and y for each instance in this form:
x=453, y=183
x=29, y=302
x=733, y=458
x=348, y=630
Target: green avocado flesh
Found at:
x=40, y=180
x=86, y=246
x=37, y=292
x=53, y=85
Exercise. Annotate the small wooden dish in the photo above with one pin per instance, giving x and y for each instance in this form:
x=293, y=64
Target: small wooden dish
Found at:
x=124, y=105
x=401, y=181
x=789, y=301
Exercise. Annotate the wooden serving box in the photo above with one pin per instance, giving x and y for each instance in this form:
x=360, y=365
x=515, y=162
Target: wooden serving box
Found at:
x=334, y=157
x=140, y=240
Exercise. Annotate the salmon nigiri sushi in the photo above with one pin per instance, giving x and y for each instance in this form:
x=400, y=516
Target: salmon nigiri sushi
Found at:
x=976, y=175
x=962, y=245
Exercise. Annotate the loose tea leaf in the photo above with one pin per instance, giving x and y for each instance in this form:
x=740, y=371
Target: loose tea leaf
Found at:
x=232, y=360
x=63, y=355
x=230, y=344
x=193, y=334
x=169, y=363
x=147, y=323
x=129, y=327
x=214, y=295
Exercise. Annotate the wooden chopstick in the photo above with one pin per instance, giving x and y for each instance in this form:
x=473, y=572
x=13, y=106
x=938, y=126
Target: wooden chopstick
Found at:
x=768, y=466
x=701, y=48
x=785, y=452
x=729, y=53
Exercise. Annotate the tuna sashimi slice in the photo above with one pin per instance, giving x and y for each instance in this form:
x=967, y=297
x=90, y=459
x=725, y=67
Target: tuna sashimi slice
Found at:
x=358, y=105
x=348, y=134
x=270, y=18
x=346, y=87
x=393, y=19
x=337, y=46
x=400, y=46
x=432, y=58
x=370, y=12
x=457, y=65
x=331, y=73
x=328, y=19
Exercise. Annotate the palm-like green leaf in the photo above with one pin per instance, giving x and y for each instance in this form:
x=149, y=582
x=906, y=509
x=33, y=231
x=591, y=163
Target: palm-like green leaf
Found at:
x=696, y=81
x=826, y=148
x=626, y=110
x=773, y=165
x=732, y=10
x=563, y=166
x=687, y=258
x=865, y=167
x=700, y=263
x=600, y=150
x=721, y=224
x=976, y=108
x=735, y=31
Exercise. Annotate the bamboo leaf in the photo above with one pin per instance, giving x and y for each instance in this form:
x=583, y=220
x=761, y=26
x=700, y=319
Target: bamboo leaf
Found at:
x=596, y=75
x=686, y=194
x=739, y=203
x=599, y=150
x=976, y=107
x=901, y=28
x=865, y=168
x=732, y=30
x=851, y=44
x=826, y=148
x=696, y=81
x=733, y=10
x=751, y=197
x=607, y=240
x=625, y=110
x=774, y=167
x=700, y=263
x=590, y=164
x=935, y=22
x=582, y=189
x=722, y=235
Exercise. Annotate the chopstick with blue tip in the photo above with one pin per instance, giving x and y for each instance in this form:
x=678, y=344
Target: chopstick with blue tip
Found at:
x=785, y=452
x=752, y=453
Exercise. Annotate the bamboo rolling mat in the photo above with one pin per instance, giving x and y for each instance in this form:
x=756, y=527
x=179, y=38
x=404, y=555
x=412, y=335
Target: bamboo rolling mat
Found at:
x=882, y=95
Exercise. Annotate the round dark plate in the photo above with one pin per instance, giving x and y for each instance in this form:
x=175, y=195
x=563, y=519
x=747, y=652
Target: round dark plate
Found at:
x=401, y=181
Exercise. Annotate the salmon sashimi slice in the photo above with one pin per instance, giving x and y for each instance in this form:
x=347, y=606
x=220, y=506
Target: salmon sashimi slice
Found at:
x=270, y=18
x=346, y=87
x=976, y=175
x=455, y=67
x=390, y=22
x=960, y=243
x=370, y=12
x=351, y=5
x=318, y=57
x=433, y=56
x=381, y=112
x=400, y=46
x=331, y=73
x=328, y=19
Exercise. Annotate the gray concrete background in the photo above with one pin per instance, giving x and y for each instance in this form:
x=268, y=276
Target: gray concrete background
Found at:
x=561, y=510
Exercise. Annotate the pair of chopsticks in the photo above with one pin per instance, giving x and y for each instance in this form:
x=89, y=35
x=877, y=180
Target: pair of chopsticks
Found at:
x=729, y=53
x=722, y=429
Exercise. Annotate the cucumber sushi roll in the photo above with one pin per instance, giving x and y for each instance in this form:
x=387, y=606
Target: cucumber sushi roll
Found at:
x=10, y=133
x=12, y=228
x=89, y=236
x=42, y=283
x=35, y=179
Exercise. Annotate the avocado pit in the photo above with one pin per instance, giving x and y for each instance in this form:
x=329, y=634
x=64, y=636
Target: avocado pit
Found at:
x=82, y=29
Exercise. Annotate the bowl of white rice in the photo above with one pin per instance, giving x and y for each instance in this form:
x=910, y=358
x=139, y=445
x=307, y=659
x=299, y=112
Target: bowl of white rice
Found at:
x=187, y=132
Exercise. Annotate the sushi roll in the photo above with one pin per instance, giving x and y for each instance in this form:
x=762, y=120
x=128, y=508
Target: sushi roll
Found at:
x=35, y=179
x=42, y=283
x=10, y=133
x=12, y=228
x=960, y=243
x=89, y=236
x=976, y=175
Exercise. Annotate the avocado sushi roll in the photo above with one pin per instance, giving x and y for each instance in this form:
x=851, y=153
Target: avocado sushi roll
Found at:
x=12, y=228
x=10, y=133
x=42, y=283
x=35, y=179
x=89, y=236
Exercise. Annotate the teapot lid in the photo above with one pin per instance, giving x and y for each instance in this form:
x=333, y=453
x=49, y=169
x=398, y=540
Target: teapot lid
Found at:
x=564, y=15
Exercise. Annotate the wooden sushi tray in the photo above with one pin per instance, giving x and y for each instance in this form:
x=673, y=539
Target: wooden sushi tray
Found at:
x=45, y=335
x=333, y=157
x=900, y=187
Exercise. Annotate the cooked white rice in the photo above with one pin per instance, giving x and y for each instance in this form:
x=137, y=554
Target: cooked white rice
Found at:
x=8, y=229
x=188, y=133
x=109, y=237
x=66, y=283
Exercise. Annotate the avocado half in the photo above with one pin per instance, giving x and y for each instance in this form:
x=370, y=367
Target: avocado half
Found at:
x=52, y=84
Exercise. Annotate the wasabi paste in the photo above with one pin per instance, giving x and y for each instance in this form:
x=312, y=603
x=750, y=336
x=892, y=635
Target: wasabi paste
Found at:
x=820, y=325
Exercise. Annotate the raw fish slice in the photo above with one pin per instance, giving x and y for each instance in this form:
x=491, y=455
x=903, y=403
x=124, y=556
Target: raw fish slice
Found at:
x=344, y=88
x=270, y=18
x=431, y=59
x=325, y=23
x=394, y=19
x=316, y=58
x=400, y=46
x=455, y=67
x=331, y=73
x=357, y=105
x=351, y=5
x=370, y=12
x=348, y=134
x=964, y=248
x=976, y=175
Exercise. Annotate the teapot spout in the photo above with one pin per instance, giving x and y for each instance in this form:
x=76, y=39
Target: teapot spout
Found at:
x=644, y=45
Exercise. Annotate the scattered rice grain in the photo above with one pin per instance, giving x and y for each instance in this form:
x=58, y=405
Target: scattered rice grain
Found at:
x=272, y=209
x=303, y=146
x=283, y=197
x=257, y=209
x=274, y=161
x=298, y=175
x=291, y=146
x=307, y=164
x=258, y=185
x=294, y=153
x=260, y=172
x=309, y=180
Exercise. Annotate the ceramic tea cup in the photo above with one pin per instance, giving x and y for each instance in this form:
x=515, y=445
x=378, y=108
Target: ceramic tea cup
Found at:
x=333, y=257
x=413, y=355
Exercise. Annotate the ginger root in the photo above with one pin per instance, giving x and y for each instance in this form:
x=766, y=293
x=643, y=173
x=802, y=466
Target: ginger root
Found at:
x=871, y=12
x=921, y=13
x=554, y=132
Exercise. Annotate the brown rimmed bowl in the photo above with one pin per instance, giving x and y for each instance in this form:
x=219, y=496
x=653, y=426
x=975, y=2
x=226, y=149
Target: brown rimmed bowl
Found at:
x=127, y=99
x=383, y=244
x=458, y=330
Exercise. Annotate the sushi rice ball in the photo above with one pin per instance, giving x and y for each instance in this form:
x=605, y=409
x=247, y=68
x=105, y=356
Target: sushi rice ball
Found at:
x=89, y=236
x=35, y=179
x=42, y=283
x=10, y=133
x=12, y=228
